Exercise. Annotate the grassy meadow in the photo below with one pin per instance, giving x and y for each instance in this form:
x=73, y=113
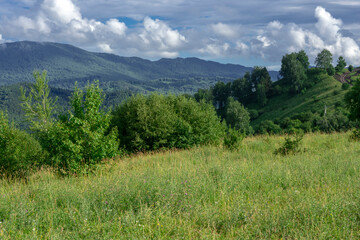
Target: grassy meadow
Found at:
x=201, y=193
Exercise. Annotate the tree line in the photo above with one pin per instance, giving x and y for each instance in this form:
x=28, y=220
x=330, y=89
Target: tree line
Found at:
x=76, y=140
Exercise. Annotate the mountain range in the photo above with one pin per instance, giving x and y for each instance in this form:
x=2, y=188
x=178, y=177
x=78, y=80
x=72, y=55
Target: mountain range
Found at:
x=66, y=64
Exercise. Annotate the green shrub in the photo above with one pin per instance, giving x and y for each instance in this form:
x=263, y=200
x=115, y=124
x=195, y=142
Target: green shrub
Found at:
x=290, y=146
x=254, y=114
x=350, y=68
x=82, y=137
x=232, y=139
x=19, y=152
x=237, y=116
x=355, y=135
x=269, y=127
x=345, y=86
x=157, y=121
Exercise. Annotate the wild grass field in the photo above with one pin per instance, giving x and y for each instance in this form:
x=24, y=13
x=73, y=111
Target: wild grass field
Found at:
x=201, y=193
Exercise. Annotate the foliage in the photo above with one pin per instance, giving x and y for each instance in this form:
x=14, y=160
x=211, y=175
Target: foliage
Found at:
x=352, y=100
x=260, y=75
x=345, y=86
x=233, y=139
x=350, y=68
x=293, y=69
x=237, y=116
x=261, y=95
x=253, y=114
x=204, y=95
x=330, y=70
x=81, y=138
x=241, y=88
x=269, y=127
x=341, y=64
x=157, y=121
x=220, y=93
x=324, y=59
x=290, y=146
x=355, y=135
x=38, y=106
x=67, y=64
x=19, y=152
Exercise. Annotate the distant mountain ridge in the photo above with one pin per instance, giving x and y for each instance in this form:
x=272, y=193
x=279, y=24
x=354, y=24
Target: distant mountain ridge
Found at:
x=66, y=64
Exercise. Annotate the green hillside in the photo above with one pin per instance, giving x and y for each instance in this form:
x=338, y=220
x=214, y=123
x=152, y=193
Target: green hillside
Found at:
x=66, y=64
x=326, y=93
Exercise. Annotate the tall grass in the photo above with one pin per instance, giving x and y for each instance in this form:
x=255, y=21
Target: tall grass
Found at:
x=202, y=193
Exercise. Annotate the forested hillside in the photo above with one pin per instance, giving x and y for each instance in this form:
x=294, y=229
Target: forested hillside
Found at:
x=66, y=64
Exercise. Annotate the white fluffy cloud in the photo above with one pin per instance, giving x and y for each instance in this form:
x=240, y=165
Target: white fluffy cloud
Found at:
x=278, y=39
x=215, y=33
x=61, y=20
x=226, y=30
x=158, y=33
x=215, y=49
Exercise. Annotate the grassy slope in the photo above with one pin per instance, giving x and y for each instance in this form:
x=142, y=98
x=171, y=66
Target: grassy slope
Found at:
x=326, y=92
x=202, y=193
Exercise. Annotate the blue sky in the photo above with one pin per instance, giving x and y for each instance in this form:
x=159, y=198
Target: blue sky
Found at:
x=257, y=32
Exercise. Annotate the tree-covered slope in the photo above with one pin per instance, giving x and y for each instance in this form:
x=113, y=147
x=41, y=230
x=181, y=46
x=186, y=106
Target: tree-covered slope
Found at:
x=325, y=95
x=66, y=64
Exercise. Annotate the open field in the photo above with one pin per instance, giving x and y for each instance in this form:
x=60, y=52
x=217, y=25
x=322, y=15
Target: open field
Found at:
x=202, y=193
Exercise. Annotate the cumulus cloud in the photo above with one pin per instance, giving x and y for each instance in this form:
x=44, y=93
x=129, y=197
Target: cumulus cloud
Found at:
x=226, y=30
x=61, y=20
x=214, y=34
x=104, y=47
x=278, y=39
x=159, y=33
x=215, y=49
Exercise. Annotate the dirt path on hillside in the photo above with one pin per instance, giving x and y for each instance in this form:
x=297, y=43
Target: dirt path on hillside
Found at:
x=346, y=77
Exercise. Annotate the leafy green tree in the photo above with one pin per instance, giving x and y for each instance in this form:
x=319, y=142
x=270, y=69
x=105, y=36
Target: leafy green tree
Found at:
x=237, y=117
x=341, y=64
x=221, y=92
x=293, y=69
x=303, y=59
x=260, y=75
x=204, y=95
x=324, y=59
x=37, y=105
x=82, y=137
x=261, y=95
x=351, y=68
x=241, y=89
x=331, y=70
x=352, y=100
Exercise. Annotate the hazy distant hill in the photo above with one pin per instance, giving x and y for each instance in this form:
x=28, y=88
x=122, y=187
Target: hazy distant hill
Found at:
x=66, y=64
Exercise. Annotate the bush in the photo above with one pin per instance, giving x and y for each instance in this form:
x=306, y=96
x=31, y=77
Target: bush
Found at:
x=19, y=152
x=82, y=137
x=345, y=86
x=254, y=114
x=350, y=68
x=355, y=135
x=232, y=139
x=162, y=122
x=237, y=116
x=290, y=146
x=269, y=127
